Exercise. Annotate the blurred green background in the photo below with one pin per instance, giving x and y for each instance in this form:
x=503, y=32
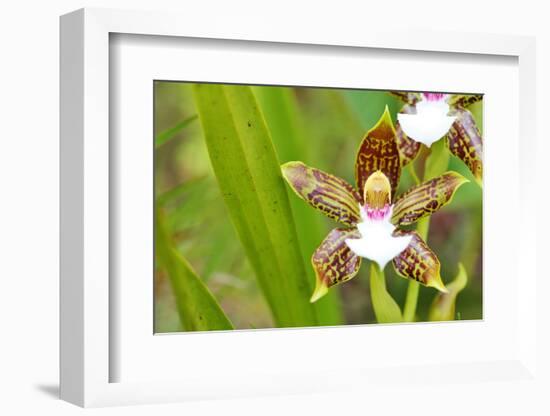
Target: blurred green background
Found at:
x=323, y=128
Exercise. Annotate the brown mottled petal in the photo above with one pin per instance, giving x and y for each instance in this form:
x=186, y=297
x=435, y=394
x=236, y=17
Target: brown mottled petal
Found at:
x=407, y=97
x=464, y=100
x=378, y=151
x=425, y=199
x=408, y=148
x=465, y=142
x=418, y=262
x=333, y=261
x=329, y=194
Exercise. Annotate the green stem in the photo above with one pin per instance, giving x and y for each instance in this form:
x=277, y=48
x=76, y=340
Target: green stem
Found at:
x=438, y=160
x=410, y=301
x=412, y=171
x=409, y=310
x=385, y=307
x=423, y=227
x=435, y=164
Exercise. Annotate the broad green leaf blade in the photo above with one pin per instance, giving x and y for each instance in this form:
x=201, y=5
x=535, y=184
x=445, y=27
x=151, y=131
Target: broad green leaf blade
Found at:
x=170, y=133
x=477, y=112
x=291, y=139
x=188, y=209
x=385, y=307
x=197, y=307
x=280, y=109
x=331, y=195
x=425, y=199
x=334, y=262
x=334, y=134
x=379, y=151
x=418, y=262
x=444, y=304
x=249, y=176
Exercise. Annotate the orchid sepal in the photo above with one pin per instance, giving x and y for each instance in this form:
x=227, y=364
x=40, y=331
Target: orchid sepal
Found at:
x=410, y=98
x=464, y=100
x=428, y=197
x=379, y=151
x=333, y=261
x=327, y=193
x=321, y=289
x=465, y=142
x=418, y=262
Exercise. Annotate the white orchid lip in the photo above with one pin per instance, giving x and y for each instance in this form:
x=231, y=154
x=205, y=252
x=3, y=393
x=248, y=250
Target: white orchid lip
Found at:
x=430, y=122
x=377, y=242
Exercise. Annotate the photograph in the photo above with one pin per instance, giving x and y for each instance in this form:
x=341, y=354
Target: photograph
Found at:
x=254, y=208
x=302, y=206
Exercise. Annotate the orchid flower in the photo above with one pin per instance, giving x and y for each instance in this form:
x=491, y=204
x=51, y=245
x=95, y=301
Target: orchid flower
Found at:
x=373, y=219
x=427, y=117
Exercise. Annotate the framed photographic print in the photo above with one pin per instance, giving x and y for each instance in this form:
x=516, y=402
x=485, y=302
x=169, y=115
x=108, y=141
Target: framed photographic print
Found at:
x=270, y=213
x=284, y=266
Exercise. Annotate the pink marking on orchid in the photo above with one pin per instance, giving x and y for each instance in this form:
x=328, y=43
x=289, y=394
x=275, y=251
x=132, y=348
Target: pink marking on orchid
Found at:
x=377, y=242
x=377, y=214
x=433, y=96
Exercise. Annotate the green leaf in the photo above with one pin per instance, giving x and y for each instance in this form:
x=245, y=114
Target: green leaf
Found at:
x=170, y=133
x=280, y=109
x=444, y=304
x=179, y=190
x=249, y=176
x=193, y=204
x=286, y=123
x=334, y=130
x=385, y=307
x=197, y=307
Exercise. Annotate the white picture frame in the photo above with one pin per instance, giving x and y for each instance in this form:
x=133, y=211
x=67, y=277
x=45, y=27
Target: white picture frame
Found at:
x=87, y=356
